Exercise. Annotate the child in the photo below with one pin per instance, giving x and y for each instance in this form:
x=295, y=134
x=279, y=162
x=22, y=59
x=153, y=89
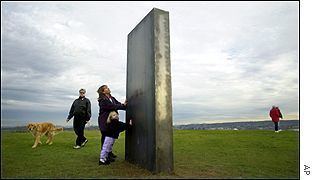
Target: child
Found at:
x=113, y=128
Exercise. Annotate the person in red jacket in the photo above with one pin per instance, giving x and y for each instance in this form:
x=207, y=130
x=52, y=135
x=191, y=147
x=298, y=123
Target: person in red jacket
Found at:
x=275, y=115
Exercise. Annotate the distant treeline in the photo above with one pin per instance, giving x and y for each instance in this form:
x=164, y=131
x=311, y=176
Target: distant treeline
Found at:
x=266, y=125
x=252, y=125
x=23, y=128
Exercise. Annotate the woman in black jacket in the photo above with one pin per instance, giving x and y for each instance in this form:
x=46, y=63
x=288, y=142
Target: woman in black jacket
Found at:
x=81, y=111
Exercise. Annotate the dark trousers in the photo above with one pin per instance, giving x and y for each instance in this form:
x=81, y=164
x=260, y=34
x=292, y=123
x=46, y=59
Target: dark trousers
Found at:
x=102, y=138
x=78, y=126
x=276, y=126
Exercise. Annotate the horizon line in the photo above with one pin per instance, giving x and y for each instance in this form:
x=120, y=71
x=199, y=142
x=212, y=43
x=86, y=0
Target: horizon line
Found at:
x=208, y=122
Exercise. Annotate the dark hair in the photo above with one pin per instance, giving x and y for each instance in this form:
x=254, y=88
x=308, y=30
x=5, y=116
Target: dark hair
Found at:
x=100, y=92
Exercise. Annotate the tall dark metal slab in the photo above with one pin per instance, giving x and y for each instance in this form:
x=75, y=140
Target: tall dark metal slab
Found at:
x=149, y=143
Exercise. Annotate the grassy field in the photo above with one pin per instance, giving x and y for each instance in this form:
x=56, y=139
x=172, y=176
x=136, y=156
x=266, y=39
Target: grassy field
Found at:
x=197, y=154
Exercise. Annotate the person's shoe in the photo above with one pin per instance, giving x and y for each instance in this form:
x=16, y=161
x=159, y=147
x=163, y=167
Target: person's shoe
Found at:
x=111, y=159
x=276, y=131
x=112, y=155
x=103, y=162
x=76, y=147
x=84, y=143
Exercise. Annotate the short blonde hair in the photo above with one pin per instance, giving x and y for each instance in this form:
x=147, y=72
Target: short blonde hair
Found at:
x=112, y=113
x=82, y=90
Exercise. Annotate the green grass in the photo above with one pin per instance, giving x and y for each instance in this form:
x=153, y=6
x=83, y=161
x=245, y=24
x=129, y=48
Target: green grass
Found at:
x=197, y=153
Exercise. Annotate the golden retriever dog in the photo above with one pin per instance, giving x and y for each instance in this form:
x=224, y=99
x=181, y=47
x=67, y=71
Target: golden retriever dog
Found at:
x=40, y=129
x=112, y=115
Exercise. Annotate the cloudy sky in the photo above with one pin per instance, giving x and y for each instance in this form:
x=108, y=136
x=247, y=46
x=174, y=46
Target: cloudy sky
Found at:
x=230, y=61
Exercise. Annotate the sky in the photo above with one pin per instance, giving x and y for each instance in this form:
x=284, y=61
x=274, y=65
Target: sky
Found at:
x=230, y=61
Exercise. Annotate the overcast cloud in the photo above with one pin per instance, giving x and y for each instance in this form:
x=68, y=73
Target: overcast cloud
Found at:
x=230, y=61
